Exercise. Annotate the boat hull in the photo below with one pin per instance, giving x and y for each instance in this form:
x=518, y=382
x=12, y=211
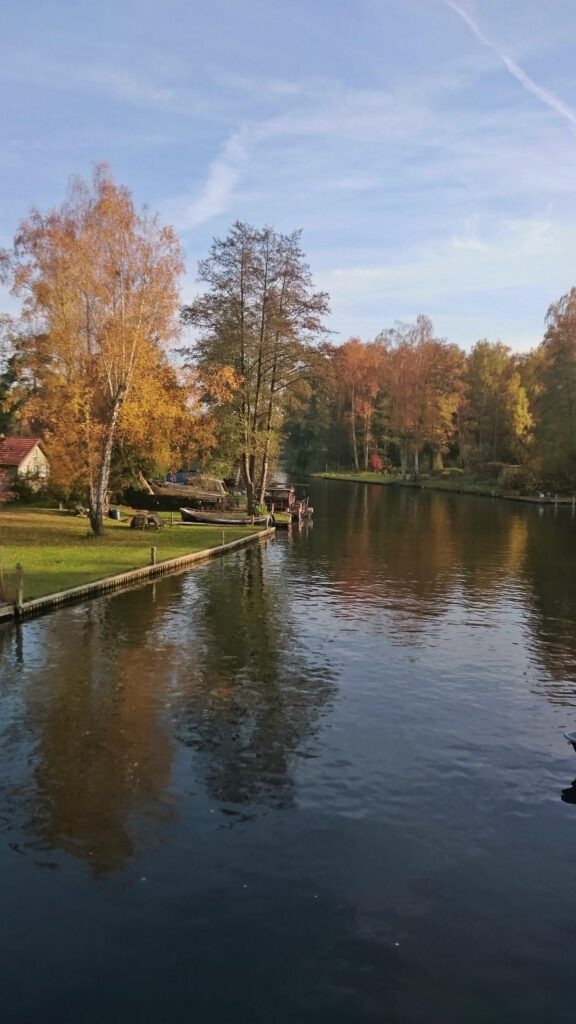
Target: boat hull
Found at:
x=194, y=516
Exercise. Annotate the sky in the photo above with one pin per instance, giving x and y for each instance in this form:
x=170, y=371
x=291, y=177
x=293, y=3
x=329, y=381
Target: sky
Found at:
x=425, y=148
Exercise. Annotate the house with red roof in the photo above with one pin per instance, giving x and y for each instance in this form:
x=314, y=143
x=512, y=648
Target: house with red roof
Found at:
x=23, y=457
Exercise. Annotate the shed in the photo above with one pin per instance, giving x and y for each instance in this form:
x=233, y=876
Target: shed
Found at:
x=24, y=457
x=281, y=496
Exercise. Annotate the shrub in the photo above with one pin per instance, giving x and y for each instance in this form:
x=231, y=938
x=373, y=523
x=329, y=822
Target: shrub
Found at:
x=6, y=492
x=489, y=470
x=451, y=472
x=27, y=491
x=518, y=478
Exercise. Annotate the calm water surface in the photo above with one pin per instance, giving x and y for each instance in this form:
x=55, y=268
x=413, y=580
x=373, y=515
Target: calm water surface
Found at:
x=323, y=780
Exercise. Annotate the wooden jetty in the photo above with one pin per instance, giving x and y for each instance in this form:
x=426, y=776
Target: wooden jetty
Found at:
x=282, y=498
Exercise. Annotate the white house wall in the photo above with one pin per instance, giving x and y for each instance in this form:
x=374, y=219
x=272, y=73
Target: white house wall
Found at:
x=34, y=464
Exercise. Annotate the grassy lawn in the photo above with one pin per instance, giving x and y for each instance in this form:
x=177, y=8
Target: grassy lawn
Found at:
x=59, y=551
x=460, y=483
x=448, y=483
x=362, y=477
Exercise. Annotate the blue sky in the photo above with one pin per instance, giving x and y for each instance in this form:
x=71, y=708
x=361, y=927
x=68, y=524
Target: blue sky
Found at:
x=426, y=148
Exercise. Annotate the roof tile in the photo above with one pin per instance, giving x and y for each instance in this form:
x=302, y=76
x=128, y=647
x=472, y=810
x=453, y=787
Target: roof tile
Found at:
x=14, y=449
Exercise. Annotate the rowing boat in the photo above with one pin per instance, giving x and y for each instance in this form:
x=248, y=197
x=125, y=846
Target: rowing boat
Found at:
x=192, y=515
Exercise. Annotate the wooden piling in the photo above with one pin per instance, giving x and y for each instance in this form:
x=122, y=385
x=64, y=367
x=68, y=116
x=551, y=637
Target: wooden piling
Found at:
x=19, y=585
x=39, y=605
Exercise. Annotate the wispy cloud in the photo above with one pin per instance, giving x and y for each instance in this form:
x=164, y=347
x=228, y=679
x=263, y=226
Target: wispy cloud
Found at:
x=527, y=83
x=255, y=84
x=217, y=193
x=109, y=79
x=511, y=270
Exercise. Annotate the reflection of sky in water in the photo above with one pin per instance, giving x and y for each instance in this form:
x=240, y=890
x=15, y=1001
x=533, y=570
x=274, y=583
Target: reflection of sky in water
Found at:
x=334, y=764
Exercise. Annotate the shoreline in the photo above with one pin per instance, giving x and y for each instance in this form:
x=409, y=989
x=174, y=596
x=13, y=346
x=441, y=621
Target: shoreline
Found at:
x=40, y=605
x=473, y=490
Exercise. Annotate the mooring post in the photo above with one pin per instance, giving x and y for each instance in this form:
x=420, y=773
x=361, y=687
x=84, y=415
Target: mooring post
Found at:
x=152, y=556
x=19, y=585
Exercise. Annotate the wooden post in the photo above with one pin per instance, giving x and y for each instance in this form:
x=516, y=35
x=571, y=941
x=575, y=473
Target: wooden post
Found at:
x=19, y=585
x=171, y=518
x=153, y=556
x=222, y=537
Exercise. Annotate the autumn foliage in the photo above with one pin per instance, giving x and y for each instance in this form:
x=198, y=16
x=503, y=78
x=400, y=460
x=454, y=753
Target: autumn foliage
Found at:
x=415, y=402
x=87, y=365
x=99, y=288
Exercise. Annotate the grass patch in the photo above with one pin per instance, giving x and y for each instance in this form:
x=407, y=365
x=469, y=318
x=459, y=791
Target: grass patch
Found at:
x=361, y=477
x=461, y=484
x=59, y=551
x=458, y=484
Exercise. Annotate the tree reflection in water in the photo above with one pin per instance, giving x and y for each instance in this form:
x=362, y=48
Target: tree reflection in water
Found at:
x=99, y=755
x=432, y=553
x=256, y=699
x=98, y=699
x=549, y=571
x=211, y=654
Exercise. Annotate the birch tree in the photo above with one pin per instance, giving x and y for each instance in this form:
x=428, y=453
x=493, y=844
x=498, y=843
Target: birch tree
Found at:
x=554, y=394
x=99, y=284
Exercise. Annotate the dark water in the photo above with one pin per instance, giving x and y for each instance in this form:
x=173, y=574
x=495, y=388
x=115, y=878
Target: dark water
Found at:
x=318, y=781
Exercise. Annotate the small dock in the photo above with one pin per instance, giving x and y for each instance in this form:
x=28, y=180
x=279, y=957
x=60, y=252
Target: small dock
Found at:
x=281, y=502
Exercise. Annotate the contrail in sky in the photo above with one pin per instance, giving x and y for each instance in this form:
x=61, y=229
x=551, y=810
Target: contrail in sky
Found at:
x=548, y=98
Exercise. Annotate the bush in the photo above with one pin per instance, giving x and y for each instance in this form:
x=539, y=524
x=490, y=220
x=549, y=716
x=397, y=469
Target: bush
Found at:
x=27, y=491
x=518, y=478
x=6, y=491
x=558, y=480
x=451, y=472
x=489, y=471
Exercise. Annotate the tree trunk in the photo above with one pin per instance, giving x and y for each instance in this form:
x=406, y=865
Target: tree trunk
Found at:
x=403, y=457
x=353, y=429
x=99, y=491
x=248, y=479
x=367, y=433
x=269, y=419
x=264, y=474
x=144, y=483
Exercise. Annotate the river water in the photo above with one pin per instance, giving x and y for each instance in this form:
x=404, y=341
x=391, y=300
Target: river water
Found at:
x=319, y=780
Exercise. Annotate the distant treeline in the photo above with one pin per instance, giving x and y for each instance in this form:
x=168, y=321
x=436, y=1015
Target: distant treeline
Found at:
x=93, y=365
x=412, y=403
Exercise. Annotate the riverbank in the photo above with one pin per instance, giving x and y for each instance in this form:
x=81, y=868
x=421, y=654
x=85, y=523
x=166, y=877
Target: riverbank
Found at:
x=59, y=554
x=460, y=484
